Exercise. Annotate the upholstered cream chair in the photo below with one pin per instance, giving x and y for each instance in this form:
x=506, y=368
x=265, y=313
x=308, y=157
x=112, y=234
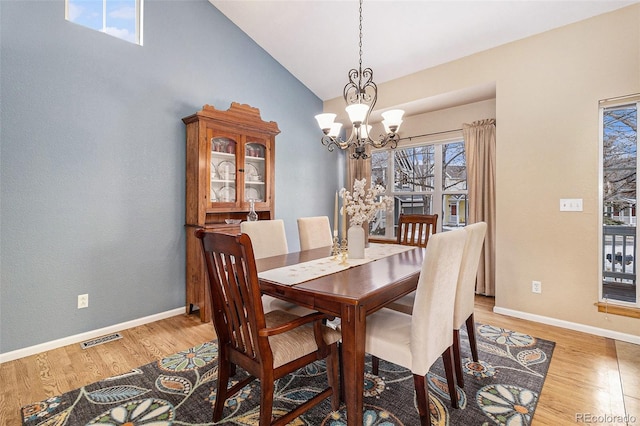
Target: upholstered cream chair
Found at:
x=465, y=295
x=413, y=230
x=269, y=238
x=314, y=232
x=266, y=345
x=416, y=341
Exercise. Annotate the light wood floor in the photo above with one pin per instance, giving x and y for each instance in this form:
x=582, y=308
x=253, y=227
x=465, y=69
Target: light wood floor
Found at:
x=588, y=374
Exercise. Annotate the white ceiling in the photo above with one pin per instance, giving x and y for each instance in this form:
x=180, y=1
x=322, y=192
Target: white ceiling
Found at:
x=317, y=40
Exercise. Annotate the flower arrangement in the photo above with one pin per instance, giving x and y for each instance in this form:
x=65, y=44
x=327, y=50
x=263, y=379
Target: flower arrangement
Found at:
x=361, y=206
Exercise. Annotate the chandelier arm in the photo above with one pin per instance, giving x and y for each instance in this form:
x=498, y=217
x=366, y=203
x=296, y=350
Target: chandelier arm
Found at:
x=332, y=142
x=390, y=139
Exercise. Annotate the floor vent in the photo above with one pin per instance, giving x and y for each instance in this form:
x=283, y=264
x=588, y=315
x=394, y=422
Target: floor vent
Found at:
x=100, y=340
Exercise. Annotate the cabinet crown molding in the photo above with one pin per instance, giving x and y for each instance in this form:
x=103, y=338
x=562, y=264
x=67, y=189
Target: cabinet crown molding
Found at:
x=239, y=115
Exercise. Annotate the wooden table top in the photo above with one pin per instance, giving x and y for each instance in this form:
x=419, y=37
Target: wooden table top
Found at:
x=359, y=285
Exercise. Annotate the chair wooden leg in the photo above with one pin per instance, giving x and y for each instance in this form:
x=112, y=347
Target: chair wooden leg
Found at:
x=266, y=400
x=457, y=358
x=221, y=394
x=422, y=398
x=375, y=365
x=332, y=376
x=471, y=331
x=447, y=357
x=340, y=362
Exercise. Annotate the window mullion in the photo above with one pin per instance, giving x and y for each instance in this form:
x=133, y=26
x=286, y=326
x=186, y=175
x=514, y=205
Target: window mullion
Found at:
x=437, y=186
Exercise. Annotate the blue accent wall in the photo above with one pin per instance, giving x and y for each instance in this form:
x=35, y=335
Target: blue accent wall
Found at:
x=93, y=161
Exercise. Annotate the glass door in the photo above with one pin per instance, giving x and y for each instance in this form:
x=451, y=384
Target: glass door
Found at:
x=223, y=170
x=255, y=171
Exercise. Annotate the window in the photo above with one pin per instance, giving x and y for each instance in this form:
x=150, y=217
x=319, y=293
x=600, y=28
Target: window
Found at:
x=619, y=141
x=119, y=18
x=423, y=179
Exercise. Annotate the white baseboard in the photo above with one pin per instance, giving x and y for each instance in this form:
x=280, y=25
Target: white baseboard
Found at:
x=569, y=325
x=54, y=344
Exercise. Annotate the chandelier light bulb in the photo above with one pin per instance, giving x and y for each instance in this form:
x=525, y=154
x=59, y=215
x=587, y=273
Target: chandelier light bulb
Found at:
x=325, y=121
x=393, y=115
x=357, y=113
x=392, y=120
x=335, y=130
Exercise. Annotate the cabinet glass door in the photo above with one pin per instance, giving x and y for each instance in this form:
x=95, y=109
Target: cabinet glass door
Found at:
x=223, y=170
x=255, y=171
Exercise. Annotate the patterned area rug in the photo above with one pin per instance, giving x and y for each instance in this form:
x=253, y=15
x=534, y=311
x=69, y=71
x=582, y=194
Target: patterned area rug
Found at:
x=503, y=388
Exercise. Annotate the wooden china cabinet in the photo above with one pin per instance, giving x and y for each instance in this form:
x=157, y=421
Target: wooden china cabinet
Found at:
x=230, y=161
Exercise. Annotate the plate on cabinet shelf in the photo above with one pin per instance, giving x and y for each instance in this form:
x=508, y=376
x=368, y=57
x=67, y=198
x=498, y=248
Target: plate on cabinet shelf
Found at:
x=252, y=174
x=227, y=170
x=214, y=172
x=226, y=194
x=214, y=196
x=252, y=194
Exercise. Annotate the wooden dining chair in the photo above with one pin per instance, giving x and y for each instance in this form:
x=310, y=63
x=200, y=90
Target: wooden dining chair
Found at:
x=415, y=229
x=417, y=341
x=314, y=232
x=268, y=346
x=269, y=238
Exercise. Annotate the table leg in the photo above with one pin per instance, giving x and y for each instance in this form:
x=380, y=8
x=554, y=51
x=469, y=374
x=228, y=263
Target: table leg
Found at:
x=353, y=326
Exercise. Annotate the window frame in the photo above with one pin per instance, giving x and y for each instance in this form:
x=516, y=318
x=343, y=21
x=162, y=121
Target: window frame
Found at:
x=633, y=100
x=138, y=24
x=437, y=195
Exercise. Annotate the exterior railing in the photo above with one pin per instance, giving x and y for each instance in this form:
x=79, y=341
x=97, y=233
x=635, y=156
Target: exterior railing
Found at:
x=619, y=263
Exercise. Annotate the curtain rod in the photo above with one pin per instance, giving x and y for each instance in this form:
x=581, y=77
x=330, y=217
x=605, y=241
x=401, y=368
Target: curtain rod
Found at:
x=429, y=134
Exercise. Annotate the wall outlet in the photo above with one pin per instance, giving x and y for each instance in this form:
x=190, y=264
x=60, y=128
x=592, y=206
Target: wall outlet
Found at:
x=83, y=301
x=536, y=287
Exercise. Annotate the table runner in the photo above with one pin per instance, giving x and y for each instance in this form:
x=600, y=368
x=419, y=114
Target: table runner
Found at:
x=301, y=272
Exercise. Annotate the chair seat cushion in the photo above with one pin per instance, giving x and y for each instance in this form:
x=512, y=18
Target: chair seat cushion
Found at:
x=296, y=343
x=389, y=336
x=270, y=303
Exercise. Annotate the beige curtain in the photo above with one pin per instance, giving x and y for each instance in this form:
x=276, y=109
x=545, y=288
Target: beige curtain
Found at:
x=480, y=148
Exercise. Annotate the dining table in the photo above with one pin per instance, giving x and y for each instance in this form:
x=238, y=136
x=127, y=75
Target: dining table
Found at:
x=351, y=291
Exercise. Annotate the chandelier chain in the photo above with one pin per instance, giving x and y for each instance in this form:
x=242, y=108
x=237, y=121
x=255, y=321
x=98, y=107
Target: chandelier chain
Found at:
x=360, y=43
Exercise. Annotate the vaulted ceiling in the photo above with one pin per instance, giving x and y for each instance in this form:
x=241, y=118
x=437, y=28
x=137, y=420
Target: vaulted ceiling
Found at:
x=317, y=40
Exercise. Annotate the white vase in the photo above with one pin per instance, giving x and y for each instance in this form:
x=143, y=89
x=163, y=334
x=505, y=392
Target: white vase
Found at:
x=355, y=241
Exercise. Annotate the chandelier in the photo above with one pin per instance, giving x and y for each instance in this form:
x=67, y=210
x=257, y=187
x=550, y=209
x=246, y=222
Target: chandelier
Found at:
x=360, y=95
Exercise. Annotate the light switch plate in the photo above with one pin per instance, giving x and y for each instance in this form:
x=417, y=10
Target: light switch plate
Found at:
x=571, y=204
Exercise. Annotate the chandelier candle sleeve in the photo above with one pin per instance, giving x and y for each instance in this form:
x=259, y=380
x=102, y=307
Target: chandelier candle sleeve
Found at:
x=344, y=220
x=335, y=217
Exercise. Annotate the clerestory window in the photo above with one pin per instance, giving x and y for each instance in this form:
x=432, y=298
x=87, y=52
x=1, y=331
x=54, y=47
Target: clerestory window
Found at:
x=119, y=18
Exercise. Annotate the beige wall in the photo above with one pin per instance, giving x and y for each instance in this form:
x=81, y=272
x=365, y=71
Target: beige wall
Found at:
x=547, y=92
